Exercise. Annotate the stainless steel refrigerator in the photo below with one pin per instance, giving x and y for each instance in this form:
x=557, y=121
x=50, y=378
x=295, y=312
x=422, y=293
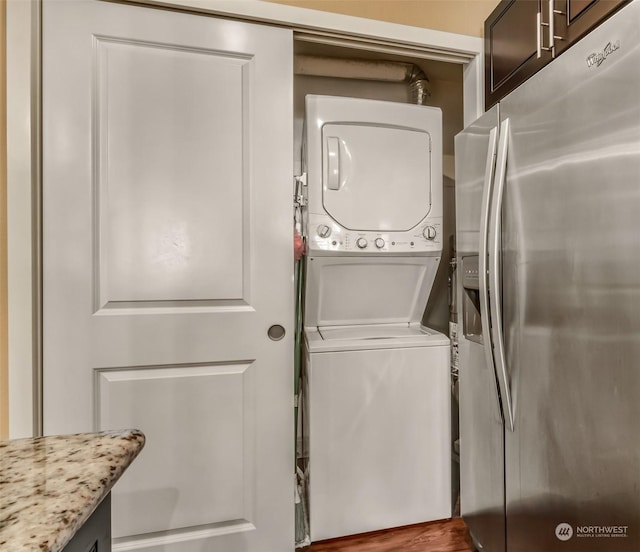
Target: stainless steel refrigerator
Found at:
x=548, y=253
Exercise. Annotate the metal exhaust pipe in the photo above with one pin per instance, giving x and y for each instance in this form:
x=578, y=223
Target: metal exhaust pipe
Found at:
x=363, y=69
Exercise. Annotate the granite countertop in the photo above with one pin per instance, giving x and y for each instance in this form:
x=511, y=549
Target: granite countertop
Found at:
x=49, y=486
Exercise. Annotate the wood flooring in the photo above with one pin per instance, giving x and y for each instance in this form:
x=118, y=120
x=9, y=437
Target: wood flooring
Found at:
x=448, y=535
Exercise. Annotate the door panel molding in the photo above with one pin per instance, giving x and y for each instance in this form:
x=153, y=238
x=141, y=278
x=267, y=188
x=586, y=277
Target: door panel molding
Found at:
x=218, y=401
x=142, y=246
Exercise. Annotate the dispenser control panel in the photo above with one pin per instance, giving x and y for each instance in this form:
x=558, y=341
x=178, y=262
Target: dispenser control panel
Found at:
x=470, y=274
x=471, y=312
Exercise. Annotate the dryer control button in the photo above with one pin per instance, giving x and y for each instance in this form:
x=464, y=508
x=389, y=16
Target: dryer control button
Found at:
x=324, y=231
x=429, y=232
x=361, y=243
x=379, y=243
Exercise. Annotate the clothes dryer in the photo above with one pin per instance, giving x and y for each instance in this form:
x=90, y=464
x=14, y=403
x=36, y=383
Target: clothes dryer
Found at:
x=374, y=173
x=376, y=383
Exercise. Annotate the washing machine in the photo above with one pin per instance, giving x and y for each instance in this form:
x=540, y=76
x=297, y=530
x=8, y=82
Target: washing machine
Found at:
x=376, y=382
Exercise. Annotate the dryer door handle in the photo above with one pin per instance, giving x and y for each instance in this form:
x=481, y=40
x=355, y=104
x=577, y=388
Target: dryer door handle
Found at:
x=333, y=163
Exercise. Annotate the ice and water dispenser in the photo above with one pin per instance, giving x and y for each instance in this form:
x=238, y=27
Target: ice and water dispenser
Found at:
x=471, y=320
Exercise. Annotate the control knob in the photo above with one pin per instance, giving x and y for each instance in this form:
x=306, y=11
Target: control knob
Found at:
x=429, y=232
x=361, y=243
x=379, y=243
x=324, y=231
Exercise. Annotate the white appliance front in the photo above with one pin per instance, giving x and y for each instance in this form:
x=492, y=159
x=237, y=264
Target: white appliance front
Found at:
x=379, y=437
x=370, y=337
x=376, y=383
x=343, y=291
x=362, y=190
x=374, y=174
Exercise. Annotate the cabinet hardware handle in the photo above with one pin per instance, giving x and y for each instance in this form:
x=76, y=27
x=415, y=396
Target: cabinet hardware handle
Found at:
x=552, y=27
x=539, y=24
x=539, y=36
x=558, y=12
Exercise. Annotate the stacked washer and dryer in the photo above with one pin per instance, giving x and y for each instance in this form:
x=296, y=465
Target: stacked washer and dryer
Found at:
x=376, y=382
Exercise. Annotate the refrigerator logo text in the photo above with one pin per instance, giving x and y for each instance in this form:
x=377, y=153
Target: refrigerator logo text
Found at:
x=596, y=58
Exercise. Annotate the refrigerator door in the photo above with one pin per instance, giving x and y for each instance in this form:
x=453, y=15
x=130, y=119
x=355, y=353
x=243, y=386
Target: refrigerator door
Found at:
x=571, y=297
x=472, y=146
x=481, y=426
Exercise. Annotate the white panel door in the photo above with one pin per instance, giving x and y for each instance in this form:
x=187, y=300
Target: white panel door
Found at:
x=167, y=142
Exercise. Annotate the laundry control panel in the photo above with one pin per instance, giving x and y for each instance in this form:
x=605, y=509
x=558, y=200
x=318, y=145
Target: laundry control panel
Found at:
x=324, y=234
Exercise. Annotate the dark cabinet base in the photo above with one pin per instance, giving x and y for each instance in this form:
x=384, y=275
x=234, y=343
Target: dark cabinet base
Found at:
x=95, y=534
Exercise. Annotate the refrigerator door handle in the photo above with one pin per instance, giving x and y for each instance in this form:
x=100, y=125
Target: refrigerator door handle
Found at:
x=495, y=287
x=483, y=283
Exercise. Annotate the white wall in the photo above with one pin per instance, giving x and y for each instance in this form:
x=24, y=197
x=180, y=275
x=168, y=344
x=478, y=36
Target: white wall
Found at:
x=454, y=16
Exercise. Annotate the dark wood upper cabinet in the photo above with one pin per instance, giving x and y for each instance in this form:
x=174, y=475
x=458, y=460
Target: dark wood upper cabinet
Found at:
x=511, y=39
x=575, y=18
x=522, y=36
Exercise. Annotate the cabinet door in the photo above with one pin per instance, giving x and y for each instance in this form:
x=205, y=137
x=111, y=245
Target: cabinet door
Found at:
x=513, y=47
x=575, y=18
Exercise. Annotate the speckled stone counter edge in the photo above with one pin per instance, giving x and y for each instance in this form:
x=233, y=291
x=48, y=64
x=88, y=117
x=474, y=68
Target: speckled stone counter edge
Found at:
x=49, y=486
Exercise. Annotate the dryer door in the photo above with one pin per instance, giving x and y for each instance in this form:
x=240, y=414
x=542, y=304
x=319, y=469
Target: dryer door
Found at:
x=376, y=177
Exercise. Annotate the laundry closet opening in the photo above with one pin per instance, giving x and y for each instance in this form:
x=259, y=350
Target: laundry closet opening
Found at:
x=326, y=68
